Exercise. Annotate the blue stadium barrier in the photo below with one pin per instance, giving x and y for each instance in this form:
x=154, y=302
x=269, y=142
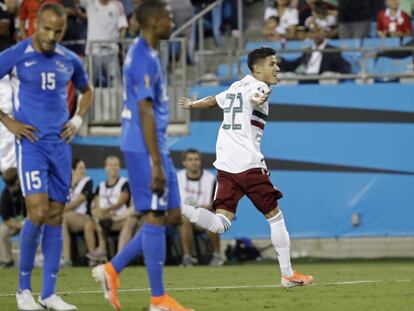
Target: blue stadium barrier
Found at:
x=250, y=46
x=392, y=65
x=295, y=44
x=380, y=42
x=334, y=151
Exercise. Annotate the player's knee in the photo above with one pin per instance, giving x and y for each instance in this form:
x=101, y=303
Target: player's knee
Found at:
x=37, y=216
x=221, y=224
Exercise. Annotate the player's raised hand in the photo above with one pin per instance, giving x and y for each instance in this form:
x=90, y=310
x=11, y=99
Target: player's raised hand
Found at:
x=69, y=131
x=260, y=97
x=20, y=129
x=158, y=180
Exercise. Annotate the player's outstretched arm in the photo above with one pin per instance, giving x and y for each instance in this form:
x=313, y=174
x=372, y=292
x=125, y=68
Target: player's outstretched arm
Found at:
x=203, y=103
x=72, y=126
x=19, y=129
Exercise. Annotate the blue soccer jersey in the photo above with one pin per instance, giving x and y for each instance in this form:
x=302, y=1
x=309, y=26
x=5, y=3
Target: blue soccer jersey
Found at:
x=143, y=79
x=39, y=82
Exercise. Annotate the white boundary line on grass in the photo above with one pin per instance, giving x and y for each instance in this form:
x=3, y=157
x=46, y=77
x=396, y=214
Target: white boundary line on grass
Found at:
x=86, y=292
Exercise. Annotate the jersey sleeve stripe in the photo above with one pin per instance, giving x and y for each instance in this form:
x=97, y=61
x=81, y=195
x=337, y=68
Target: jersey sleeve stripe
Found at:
x=260, y=115
x=257, y=124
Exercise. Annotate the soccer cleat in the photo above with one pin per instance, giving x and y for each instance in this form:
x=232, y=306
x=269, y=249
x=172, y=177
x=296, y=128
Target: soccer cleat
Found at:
x=26, y=302
x=166, y=303
x=108, y=277
x=298, y=279
x=56, y=303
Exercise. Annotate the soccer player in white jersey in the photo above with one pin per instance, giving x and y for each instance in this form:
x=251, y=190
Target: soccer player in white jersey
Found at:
x=241, y=169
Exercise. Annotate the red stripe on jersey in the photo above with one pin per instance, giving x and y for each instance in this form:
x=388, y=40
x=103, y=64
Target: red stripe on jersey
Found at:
x=257, y=123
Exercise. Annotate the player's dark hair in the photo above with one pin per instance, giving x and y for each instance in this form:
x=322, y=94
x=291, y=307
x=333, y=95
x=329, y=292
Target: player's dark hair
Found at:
x=57, y=8
x=190, y=151
x=75, y=163
x=148, y=9
x=10, y=177
x=258, y=55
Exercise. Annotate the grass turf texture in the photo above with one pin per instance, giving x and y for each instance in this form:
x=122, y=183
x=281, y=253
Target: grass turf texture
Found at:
x=392, y=287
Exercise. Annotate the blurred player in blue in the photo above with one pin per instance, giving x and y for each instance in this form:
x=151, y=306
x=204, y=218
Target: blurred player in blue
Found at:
x=40, y=70
x=151, y=172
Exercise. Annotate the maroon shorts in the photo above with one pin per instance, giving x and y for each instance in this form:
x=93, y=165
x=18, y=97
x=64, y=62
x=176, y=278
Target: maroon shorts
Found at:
x=254, y=183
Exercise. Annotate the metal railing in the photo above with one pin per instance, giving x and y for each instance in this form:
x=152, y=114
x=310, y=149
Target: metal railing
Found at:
x=235, y=58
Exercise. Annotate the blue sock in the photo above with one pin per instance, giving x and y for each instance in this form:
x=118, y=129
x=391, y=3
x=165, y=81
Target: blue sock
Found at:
x=154, y=247
x=29, y=240
x=128, y=253
x=52, y=242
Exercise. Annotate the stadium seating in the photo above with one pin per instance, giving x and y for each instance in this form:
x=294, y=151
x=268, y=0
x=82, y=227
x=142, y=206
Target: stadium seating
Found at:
x=385, y=65
x=352, y=57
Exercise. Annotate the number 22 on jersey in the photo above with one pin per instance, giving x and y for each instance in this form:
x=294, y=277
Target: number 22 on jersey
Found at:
x=231, y=110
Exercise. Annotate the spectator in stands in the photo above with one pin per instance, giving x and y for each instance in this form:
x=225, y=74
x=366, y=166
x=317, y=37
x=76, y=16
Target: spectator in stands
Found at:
x=288, y=17
x=106, y=22
x=354, y=18
x=216, y=20
x=323, y=19
x=316, y=61
x=76, y=25
x=8, y=11
x=270, y=27
x=182, y=11
x=306, y=10
x=13, y=212
x=393, y=22
x=76, y=216
x=27, y=14
x=110, y=209
x=197, y=189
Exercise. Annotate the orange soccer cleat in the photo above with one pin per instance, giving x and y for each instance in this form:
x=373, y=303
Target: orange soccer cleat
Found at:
x=298, y=279
x=108, y=277
x=166, y=303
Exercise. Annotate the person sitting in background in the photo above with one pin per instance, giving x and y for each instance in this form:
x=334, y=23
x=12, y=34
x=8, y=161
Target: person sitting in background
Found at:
x=393, y=22
x=269, y=30
x=110, y=209
x=317, y=62
x=288, y=17
x=13, y=212
x=197, y=189
x=323, y=19
x=76, y=215
x=306, y=10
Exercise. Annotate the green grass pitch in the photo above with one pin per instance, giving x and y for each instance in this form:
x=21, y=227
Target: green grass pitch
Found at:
x=346, y=285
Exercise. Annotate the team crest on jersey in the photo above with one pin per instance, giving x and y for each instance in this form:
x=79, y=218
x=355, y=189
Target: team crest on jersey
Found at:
x=61, y=67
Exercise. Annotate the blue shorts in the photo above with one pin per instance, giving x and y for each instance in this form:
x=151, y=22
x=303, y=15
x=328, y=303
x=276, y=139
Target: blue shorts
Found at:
x=44, y=167
x=139, y=174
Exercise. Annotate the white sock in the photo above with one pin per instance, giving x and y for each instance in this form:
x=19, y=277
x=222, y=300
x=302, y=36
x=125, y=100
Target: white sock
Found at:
x=216, y=223
x=281, y=242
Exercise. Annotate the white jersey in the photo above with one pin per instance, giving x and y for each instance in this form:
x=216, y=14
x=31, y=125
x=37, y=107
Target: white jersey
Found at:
x=110, y=195
x=240, y=134
x=196, y=192
x=75, y=193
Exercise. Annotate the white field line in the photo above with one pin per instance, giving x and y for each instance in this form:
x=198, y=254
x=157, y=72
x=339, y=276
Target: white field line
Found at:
x=86, y=292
